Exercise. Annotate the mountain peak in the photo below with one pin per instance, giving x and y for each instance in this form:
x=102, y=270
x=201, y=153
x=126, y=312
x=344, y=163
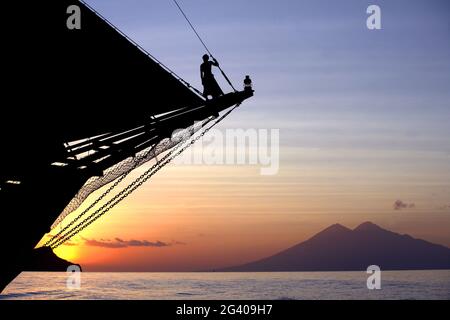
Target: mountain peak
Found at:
x=368, y=226
x=337, y=227
x=334, y=231
x=338, y=248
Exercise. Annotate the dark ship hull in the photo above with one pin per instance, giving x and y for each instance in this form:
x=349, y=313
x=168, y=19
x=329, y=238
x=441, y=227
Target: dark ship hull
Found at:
x=62, y=85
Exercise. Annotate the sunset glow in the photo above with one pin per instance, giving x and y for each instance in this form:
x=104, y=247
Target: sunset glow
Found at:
x=350, y=145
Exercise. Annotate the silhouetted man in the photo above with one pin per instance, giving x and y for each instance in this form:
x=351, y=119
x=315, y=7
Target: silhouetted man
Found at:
x=210, y=85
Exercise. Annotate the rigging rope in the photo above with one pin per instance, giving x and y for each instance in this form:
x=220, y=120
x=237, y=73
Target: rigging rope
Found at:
x=203, y=43
x=116, y=171
x=62, y=237
x=136, y=163
x=104, y=194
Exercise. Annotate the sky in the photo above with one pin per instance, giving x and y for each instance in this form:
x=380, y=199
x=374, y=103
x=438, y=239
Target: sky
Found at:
x=363, y=118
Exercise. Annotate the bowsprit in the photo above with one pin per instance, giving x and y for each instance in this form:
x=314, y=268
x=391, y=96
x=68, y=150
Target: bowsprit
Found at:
x=121, y=107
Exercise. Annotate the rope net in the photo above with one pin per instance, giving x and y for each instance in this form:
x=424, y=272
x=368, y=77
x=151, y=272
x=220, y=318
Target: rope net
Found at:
x=126, y=166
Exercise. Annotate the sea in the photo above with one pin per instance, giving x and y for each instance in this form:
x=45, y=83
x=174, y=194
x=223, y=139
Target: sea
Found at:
x=403, y=285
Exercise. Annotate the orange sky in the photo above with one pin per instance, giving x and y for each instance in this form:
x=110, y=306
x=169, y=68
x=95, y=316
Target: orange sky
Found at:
x=216, y=216
x=363, y=118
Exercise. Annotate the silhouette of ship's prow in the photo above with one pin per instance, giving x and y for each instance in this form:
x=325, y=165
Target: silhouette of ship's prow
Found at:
x=92, y=87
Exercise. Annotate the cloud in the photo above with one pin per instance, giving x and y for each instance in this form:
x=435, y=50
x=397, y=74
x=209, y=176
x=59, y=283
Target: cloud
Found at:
x=118, y=243
x=399, y=205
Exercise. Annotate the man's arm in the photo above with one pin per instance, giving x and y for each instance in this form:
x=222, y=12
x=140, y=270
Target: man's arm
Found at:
x=215, y=63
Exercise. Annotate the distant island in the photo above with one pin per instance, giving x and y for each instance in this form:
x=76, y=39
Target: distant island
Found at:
x=44, y=259
x=338, y=248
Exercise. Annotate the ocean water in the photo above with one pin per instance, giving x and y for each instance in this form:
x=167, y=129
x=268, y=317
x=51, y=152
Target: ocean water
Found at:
x=217, y=285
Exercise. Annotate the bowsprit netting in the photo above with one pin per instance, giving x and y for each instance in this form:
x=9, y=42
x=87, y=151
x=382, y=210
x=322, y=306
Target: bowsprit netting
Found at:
x=73, y=229
x=123, y=168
